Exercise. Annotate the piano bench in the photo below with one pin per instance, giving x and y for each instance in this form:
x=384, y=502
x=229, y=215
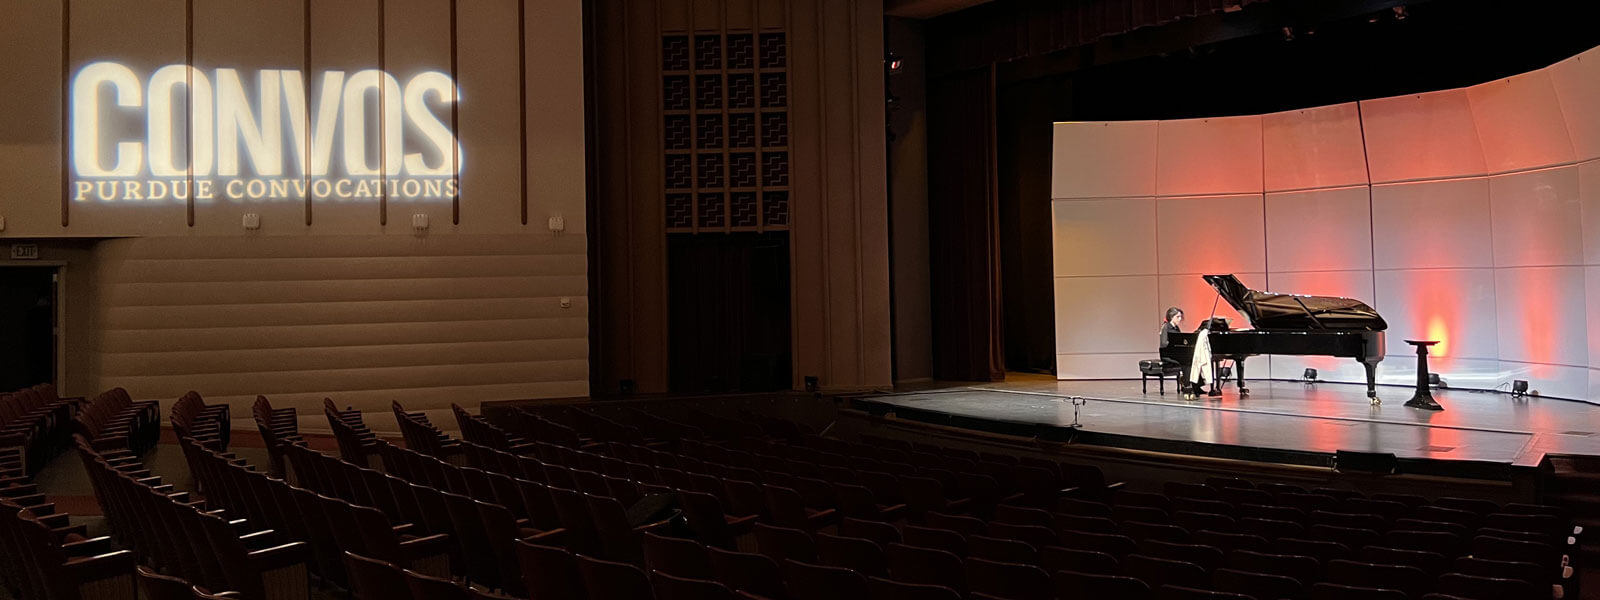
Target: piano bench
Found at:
x=1159, y=369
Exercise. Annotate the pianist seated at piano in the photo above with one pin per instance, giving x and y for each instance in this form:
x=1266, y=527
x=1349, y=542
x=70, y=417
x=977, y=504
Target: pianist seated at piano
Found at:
x=1283, y=324
x=1178, y=350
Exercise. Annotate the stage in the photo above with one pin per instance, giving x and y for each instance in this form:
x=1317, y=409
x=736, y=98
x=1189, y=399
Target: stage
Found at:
x=1478, y=435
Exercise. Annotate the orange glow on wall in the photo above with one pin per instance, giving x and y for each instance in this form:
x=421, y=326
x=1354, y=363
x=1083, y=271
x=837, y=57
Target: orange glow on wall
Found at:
x=1437, y=330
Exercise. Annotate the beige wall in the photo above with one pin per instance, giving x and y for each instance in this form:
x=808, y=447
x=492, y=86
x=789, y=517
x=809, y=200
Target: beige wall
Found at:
x=355, y=304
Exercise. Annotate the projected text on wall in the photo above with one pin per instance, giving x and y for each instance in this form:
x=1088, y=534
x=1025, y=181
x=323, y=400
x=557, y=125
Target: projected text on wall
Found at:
x=264, y=136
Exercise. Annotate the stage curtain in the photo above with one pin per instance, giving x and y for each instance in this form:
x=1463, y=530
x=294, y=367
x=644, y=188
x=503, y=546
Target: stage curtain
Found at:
x=963, y=229
x=1006, y=30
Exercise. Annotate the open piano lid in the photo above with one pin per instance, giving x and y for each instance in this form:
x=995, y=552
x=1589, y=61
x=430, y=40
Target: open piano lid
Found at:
x=1267, y=310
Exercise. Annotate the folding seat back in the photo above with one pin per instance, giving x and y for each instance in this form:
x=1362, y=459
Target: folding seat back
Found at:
x=1431, y=563
x=677, y=557
x=373, y=579
x=785, y=543
x=668, y=587
x=1411, y=580
x=888, y=589
x=929, y=537
x=747, y=573
x=608, y=580
x=963, y=524
x=1255, y=585
x=1161, y=571
x=549, y=572
x=878, y=531
x=860, y=555
x=1152, y=531
x=1056, y=558
x=1206, y=557
x=155, y=586
x=806, y=581
x=1175, y=592
x=1072, y=584
x=1115, y=545
x=434, y=588
x=930, y=566
x=1033, y=535
x=1486, y=588
x=1018, y=581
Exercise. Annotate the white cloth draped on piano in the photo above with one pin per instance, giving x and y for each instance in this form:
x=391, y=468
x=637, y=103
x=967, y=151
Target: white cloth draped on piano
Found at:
x=1200, y=365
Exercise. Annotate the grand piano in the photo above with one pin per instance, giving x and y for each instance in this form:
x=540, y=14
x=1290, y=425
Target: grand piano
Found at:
x=1297, y=325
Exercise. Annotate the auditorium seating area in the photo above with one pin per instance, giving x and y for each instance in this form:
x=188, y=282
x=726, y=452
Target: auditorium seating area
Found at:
x=637, y=500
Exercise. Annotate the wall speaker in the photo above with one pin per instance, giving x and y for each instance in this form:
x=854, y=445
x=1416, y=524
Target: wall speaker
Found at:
x=1365, y=462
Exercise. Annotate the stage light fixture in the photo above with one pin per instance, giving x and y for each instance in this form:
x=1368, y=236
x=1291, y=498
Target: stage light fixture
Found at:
x=895, y=63
x=1400, y=13
x=626, y=386
x=1288, y=34
x=1310, y=375
x=811, y=383
x=1519, y=387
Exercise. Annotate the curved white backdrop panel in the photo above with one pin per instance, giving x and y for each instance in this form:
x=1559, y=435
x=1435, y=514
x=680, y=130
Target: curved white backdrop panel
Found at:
x=1470, y=216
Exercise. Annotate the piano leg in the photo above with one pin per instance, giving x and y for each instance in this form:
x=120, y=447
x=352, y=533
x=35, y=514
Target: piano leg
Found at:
x=1238, y=365
x=1372, y=381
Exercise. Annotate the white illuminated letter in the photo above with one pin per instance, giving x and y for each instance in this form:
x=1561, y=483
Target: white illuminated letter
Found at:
x=86, y=119
x=294, y=93
x=160, y=111
x=263, y=139
x=355, y=123
x=434, y=131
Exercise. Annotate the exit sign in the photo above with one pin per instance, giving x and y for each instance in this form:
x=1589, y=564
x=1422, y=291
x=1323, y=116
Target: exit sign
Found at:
x=24, y=252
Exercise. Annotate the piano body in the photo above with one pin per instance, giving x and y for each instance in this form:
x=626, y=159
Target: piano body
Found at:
x=1298, y=325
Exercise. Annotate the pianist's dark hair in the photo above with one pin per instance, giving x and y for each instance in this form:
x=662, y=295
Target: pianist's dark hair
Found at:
x=1173, y=312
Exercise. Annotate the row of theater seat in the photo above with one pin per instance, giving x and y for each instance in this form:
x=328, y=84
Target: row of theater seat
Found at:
x=113, y=421
x=213, y=547
x=35, y=426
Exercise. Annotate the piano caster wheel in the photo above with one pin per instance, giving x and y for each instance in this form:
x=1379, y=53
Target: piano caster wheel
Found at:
x=1375, y=401
x=1244, y=391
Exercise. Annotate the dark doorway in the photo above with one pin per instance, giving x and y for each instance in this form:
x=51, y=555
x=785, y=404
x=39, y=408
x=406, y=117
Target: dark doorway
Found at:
x=728, y=308
x=27, y=327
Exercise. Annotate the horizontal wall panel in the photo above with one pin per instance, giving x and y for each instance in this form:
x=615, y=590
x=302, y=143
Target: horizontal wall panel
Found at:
x=336, y=335
x=1107, y=366
x=224, y=270
x=1211, y=234
x=1520, y=123
x=1454, y=306
x=1434, y=224
x=1313, y=148
x=1557, y=381
x=1096, y=315
x=1320, y=230
x=1421, y=136
x=333, y=381
x=1542, y=315
x=367, y=290
x=1471, y=373
x=268, y=360
x=1577, y=84
x=1103, y=159
x=410, y=311
x=1105, y=237
x=1538, y=219
x=1209, y=156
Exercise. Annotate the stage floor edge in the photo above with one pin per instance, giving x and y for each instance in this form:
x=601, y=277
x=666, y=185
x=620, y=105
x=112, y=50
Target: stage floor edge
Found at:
x=1479, y=435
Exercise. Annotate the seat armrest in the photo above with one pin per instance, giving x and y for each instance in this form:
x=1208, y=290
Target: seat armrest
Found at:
x=425, y=546
x=279, y=556
x=103, y=566
x=89, y=547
